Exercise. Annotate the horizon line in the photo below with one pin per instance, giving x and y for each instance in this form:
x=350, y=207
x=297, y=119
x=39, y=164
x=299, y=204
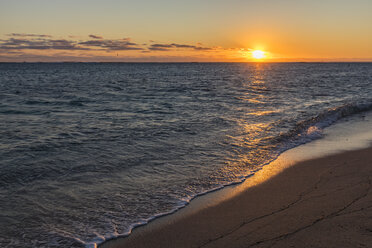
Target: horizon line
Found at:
x=182, y=62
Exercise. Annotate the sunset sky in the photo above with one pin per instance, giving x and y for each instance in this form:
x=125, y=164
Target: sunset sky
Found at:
x=203, y=30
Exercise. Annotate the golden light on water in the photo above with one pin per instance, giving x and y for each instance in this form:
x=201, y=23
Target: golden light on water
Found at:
x=258, y=54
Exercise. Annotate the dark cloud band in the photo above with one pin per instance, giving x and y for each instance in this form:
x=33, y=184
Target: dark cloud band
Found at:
x=23, y=41
x=167, y=47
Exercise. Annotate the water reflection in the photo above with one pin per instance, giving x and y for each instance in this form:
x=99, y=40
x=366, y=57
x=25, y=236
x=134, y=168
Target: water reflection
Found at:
x=252, y=129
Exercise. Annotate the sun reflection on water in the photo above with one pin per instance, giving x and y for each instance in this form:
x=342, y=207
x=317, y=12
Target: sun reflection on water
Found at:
x=251, y=133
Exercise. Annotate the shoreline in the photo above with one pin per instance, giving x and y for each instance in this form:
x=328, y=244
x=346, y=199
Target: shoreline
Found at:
x=351, y=134
x=288, y=209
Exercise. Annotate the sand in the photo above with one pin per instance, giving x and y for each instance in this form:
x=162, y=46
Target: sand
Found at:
x=324, y=202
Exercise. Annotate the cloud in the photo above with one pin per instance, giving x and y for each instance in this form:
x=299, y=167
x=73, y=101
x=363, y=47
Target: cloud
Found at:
x=95, y=36
x=44, y=42
x=39, y=44
x=29, y=35
x=181, y=46
x=42, y=47
x=114, y=45
x=24, y=41
x=160, y=47
x=167, y=47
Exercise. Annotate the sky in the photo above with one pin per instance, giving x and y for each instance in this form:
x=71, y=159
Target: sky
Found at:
x=184, y=31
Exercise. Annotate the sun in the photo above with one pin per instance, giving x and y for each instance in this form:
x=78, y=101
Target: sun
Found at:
x=258, y=54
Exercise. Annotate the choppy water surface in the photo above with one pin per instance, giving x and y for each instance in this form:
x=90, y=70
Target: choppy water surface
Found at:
x=89, y=150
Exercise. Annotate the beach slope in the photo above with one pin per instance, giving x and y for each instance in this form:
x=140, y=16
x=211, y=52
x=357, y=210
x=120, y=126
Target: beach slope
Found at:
x=324, y=202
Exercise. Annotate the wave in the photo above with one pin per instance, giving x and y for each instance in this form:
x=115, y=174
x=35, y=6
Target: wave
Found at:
x=303, y=132
x=311, y=128
x=55, y=102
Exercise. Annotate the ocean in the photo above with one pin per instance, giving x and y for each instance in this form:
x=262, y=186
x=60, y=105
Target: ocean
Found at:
x=90, y=150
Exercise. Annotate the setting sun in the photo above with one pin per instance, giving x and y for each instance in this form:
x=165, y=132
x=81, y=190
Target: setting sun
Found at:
x=258, y=54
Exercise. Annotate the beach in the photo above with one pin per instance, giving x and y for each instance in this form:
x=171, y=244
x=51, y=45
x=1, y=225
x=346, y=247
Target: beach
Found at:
x=321, y=202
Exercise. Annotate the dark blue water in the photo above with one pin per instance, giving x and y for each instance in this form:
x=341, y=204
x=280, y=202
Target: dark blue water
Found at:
x=89, y=150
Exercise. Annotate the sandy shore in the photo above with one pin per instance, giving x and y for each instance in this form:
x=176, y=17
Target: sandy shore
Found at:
x=325, y=202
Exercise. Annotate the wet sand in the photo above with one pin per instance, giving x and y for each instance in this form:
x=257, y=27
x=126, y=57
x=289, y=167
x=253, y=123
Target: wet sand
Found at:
x=323, y=202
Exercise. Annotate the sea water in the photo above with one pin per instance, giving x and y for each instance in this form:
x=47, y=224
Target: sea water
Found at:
x=90, y=150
